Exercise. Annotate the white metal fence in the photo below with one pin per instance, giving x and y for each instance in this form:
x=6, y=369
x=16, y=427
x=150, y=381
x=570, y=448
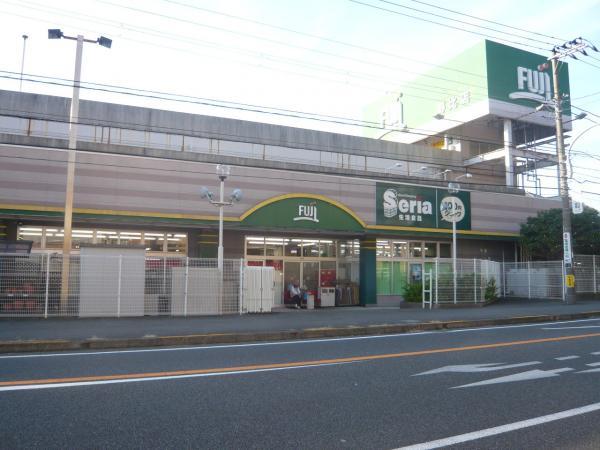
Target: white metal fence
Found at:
x=587, y=274
x=534, y=279
x=119, y=286
x=473, y=278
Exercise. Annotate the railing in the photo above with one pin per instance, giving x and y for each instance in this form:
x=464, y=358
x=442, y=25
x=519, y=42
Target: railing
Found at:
x=119, y=286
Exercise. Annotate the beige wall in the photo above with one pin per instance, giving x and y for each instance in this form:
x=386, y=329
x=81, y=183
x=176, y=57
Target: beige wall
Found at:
x=36, y=177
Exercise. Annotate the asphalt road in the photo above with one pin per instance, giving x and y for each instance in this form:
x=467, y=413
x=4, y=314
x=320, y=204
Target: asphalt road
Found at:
x=512, y=387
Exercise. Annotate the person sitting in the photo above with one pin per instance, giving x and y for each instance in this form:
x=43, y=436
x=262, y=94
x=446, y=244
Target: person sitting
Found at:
x=295, y=293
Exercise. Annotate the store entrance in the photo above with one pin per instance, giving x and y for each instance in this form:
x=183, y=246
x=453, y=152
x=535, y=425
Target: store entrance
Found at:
x=326, y=270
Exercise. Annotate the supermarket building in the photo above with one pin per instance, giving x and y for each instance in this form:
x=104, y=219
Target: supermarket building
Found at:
x=324, y=208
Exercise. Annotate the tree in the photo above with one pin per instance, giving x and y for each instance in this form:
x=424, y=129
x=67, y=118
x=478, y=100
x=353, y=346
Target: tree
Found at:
x=541, y=236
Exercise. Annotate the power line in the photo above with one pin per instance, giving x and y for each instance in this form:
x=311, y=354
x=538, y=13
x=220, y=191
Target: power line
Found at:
x=486, y=20
x=444, y=25
x=280, y=59
x=323, y=38
x=495, y=30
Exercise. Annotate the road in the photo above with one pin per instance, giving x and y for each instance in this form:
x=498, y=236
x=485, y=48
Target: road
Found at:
x=522, y=386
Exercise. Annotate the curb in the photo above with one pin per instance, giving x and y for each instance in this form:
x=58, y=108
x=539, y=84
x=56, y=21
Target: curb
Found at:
x=308, y=333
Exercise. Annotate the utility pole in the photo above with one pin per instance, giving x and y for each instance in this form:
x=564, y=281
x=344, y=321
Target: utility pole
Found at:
x=568, y=49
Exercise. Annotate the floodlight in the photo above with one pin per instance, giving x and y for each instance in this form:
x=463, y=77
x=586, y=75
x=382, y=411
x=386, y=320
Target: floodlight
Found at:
x=55, y=33
x=236, y=195
x=205, y=193
x=105, y=42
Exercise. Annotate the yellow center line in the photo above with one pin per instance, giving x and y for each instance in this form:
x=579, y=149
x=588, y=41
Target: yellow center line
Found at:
x=317, y=362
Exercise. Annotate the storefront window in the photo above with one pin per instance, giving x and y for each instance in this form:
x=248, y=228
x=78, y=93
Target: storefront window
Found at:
x=384, y=249
x=154, y=242
x=54, y=238
x=79, y=237
x=107, y=237
x=177, y=243
x=310, y=248
x=255, y=246
x=445, y=250
x=274, y=247
x=251, y=263
x=293, y=247
x=430, y=249
x=416, y=250
x=31, y=234
x=130, y=238
x=384, y=277
x=400, y=249
x=327, y=249
x=328, y=275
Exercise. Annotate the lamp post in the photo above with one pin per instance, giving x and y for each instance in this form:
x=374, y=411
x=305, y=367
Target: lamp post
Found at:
x=22, y=62
x=452, y=210
x=73, y=120
x=223, y=171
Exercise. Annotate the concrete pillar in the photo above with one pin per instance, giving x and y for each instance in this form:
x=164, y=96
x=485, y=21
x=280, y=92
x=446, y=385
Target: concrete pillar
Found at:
x=367, y=267
x=508, y=158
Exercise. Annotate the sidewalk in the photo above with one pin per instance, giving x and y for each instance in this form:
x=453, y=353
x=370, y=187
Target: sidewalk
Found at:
x=61, y=334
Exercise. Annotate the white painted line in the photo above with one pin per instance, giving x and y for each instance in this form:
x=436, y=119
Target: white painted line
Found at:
x=595, y=364
x=273, y=343
x=29, y=387
x=476, y=368
x=595, y=353
x=522, y=376
x=475, y=435
x=571, y=328
x=566, y=358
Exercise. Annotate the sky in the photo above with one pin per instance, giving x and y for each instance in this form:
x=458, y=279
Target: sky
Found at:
x=311, y=58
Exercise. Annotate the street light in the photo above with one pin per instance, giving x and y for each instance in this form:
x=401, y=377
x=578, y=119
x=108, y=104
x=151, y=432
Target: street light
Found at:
x=443, y=172
x=23, y=62
x=464, y=175
x=393, y=166
x=223, y=171
x=56, y=33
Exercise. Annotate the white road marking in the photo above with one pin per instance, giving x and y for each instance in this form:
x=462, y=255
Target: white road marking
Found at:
x=476, y=368
x=487, y=432
x=571, y=328
x=29, y=387
x=294, y=342
x=566, y=358
x=523, y=376
x=595, y=353
x=595, y=364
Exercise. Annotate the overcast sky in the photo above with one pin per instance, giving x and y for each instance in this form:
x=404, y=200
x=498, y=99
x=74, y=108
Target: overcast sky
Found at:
x=328, y=58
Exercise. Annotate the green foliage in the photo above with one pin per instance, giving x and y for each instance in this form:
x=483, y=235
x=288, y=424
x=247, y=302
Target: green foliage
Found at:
x=413, y=292
x=491, y=290
x=541, y=236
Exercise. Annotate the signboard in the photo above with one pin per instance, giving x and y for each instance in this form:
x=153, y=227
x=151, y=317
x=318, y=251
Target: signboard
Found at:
x=568, y=256
x=299, y=212
x=452, y=209
x=421, y=207
x=570, y=281
x=577, y=207
x=513, y=76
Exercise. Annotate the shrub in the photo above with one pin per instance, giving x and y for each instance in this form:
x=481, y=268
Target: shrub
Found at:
x=413, y=292
x=491, y=291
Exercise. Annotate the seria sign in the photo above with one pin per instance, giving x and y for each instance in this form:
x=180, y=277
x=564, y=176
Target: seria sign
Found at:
x=413, y=206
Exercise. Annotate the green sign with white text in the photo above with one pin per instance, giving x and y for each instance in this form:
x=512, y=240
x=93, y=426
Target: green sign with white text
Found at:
x=303, y=213
x=415, y=206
